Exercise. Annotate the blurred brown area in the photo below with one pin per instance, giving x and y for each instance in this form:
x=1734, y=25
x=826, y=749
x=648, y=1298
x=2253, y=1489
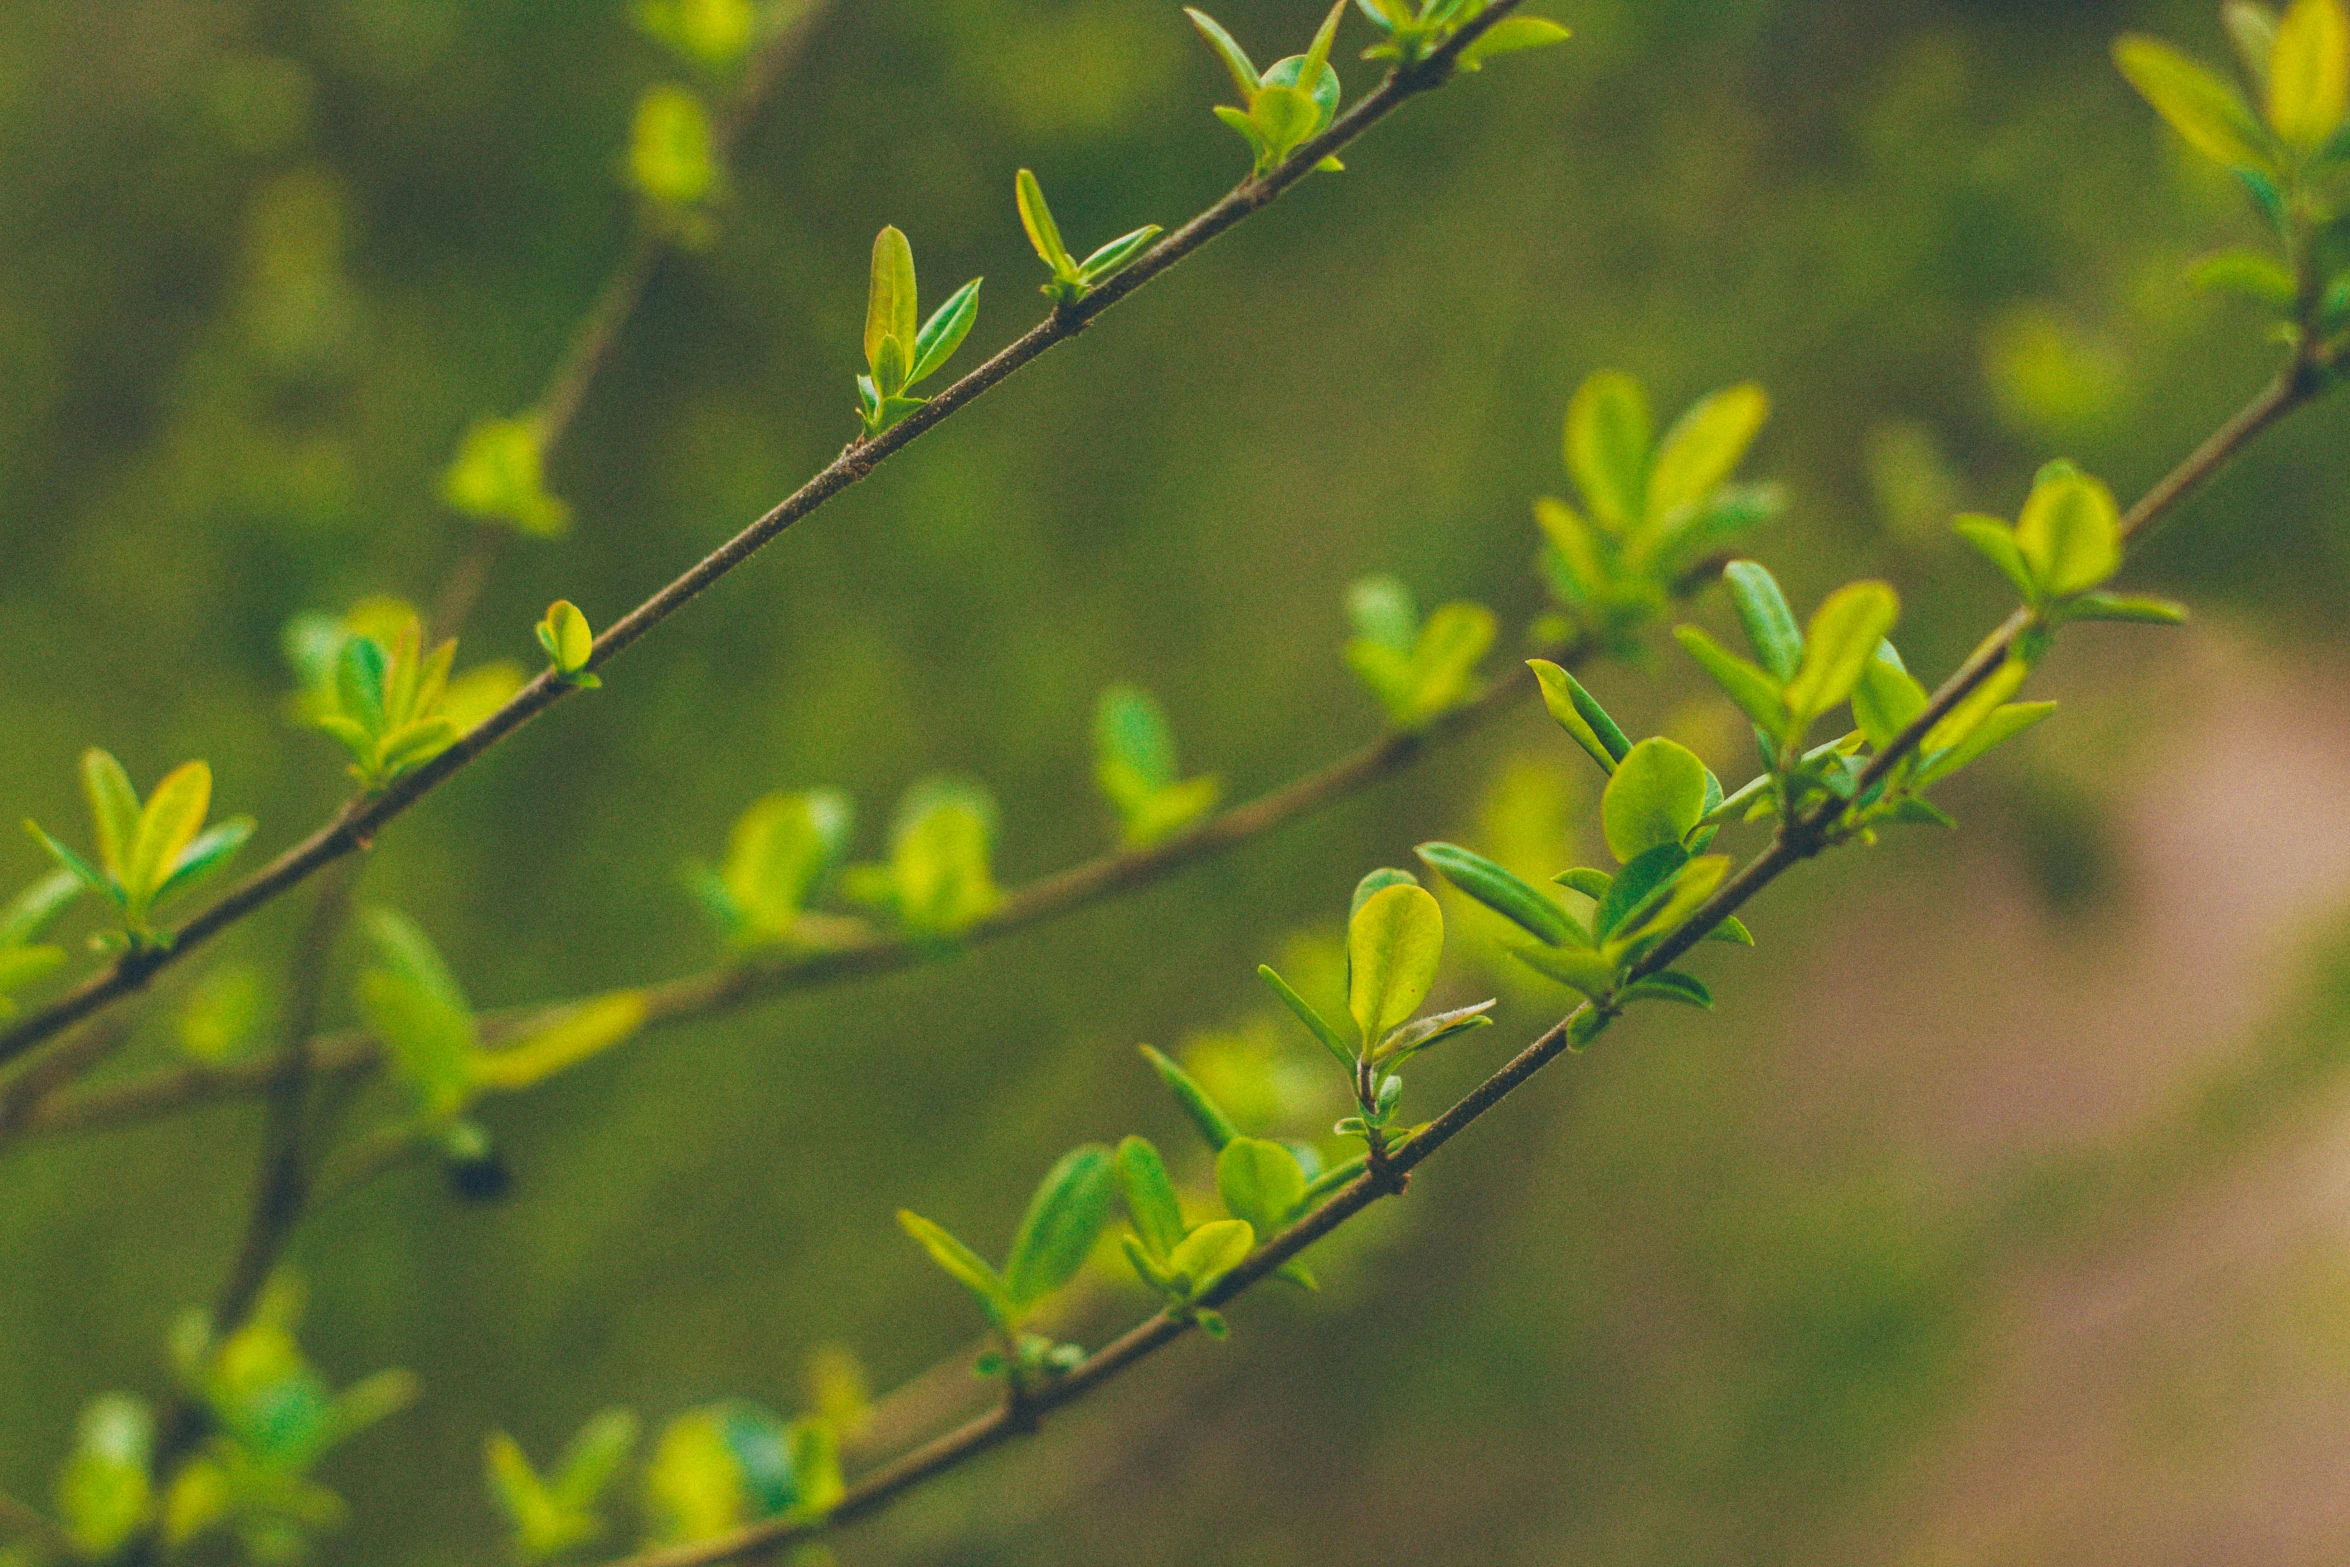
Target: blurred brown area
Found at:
x=1995, y=1217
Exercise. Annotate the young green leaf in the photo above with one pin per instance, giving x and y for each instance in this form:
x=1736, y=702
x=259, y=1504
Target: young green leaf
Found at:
x=168, y=823
x=569, y=643
x=1887, y=699
x=890, y=301
x=1632, y=891
x=560, y=1041
x=1422, y=1033
x=1702, y=450
x=1657, y=796
x=1500, y=891
x=1043, y=233
x=114, y=807
x=1114, y=257
x=2252, y=28
x=1580, y=715
x=944, y=332
x=2248, y=274
x=1608, y=435
x=1305, y=1013
x=1769, y=624
x=1758, y=696
x=965, y=1266
x=1508, y=36
x=1215, y=1127
x=1149, y=1197
x=1578, y=967
x=672, y=148
x=1260, y=1182
x=2000, y=725
x=1210, y=1252
x=1843, y=635
x=2070, y=534
x=2200, y=106
x=35, y=909
x=1067, y=1213
x=1393, y=945
x=1995, y=541
x=1236, y=61
x=2309, y=74
x=1671, y=985
x=2126, y=607
x=208, y=852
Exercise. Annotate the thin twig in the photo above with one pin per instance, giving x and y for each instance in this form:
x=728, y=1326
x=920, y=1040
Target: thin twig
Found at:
x=955, y=1448
x=598, y=332
x=360, y=819
x=748, y=982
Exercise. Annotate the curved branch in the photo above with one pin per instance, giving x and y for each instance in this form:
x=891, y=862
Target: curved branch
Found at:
x=360, y=819
x=955, y=1448
x=740, y=984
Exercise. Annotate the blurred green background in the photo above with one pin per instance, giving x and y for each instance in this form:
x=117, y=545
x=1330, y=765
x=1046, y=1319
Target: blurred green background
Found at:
x=1996, y=1217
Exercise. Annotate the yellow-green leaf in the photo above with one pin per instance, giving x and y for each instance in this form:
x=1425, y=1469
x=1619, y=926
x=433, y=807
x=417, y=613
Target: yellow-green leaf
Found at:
x=1656, y=797
x=2070, y=534
x=1703, y=449
x=890, y=303
x=173, y=816
x=114, y=807
x=1393, y=945
x=2200, y=106
x=1608, y=435
x=2309, y=74
x=560, y=1042
x=1837, y=645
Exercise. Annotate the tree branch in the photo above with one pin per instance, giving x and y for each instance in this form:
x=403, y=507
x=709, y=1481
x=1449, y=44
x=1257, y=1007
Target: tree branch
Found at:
x=598, y=332
x=977, y=1436
x=360, y=819
x=733, y=986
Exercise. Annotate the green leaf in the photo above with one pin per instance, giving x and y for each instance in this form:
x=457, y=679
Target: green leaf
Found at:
x=2249, y=274
x=1670, y=985
x=594, y=1457
x=2309, y=74
x=1695, y=882
x=1593, y=884
x=114, y=807
x=1996, y=542
x=1305, y=1013
x=208, y=853
x=2200, y=106
x=1378, y=881
x=1887, y=700
x=1423, y=1033
x=1133, y=746
x=2252, y=28
x=2000, y=726
x=1215, y=1127
x=1210, y=1252
x=1117, y=255
x=1066, y=1215
x=2070, y=534
x=1500, y=891
x=1704, y=447
x=1260, y=1182
x=1843, y=636
x=2126, y=607
x=104, y=1494
x=782, y=852
x=1769, y=624
x=1509, y=35
x=944, y=332
x=1608, y=434
x=1758, y=696
x=889, y=300
x=359, y=682
x=499, y=475
x=1150, y=1197
x=168, y=823
x=1732, y=931
x=1580, y=715
x=1578, y=967
x=1381, y=611
x=1657, y=796
x=565, y=634
x=33, y=910
x=1393, y=945
x=560, y=1041
x=672, y=149
x=965, y=1266
x=941, y=856
x=1236, y=61
x=1284, y=117
x=1962, y=720
x=1322, y=89
x=1037, y=218
x=1444, y=660
x=80, y=869
x=1646, y=878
